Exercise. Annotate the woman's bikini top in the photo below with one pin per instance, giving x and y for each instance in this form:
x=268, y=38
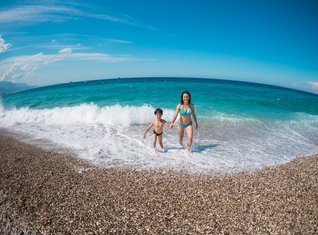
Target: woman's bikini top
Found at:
x=183, y=112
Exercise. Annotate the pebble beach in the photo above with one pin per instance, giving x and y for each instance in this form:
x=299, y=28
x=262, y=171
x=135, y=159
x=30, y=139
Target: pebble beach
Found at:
x=47, y=192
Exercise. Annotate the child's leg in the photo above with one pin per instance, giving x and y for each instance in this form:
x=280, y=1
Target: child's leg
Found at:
x=154, y=140
x=160, y=141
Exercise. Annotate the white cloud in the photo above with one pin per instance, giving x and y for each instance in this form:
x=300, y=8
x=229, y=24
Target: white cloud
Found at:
x=59, y=13
x=56, y=45
x=313, y=85
x=18, y=68
x=119, y=41
x=13, y=69
x=66, y=51
x=3, y=46
x=37, y=14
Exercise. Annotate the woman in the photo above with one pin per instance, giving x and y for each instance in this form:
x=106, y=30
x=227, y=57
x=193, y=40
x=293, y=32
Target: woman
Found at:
x=186, y=110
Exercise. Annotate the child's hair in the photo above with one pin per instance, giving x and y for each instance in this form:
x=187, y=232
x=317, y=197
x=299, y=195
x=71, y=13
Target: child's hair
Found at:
x=158, y=110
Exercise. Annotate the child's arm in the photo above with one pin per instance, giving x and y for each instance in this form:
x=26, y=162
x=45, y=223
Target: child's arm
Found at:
x=147, y=129
x=165, y=123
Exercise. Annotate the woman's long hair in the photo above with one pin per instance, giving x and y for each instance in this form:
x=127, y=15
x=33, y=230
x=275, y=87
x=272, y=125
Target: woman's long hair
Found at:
x=185, y=92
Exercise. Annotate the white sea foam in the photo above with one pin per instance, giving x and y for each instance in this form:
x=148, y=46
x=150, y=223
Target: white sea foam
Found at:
x=112, y=136
x=88, y=114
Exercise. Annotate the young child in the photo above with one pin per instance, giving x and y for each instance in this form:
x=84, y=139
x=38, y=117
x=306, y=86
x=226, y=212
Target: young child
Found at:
x=158, y=125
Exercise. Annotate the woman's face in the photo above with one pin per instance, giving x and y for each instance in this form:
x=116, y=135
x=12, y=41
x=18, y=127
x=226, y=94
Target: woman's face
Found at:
x=185, y=98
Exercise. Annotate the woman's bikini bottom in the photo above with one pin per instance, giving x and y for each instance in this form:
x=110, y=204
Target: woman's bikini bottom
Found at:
x=186, y=124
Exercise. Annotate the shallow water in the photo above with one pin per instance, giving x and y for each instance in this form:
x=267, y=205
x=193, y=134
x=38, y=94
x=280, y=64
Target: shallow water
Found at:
x=243, y=126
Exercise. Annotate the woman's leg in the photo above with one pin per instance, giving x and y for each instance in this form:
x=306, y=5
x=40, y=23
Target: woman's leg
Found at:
x=180, y=131
x=189, y=131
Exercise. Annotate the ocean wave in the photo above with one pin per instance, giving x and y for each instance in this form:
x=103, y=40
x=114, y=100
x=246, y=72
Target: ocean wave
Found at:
x=112, y=136
x=88, y=114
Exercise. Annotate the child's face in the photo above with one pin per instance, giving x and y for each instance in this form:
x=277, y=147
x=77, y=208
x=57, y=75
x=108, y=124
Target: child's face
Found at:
x=158, y=115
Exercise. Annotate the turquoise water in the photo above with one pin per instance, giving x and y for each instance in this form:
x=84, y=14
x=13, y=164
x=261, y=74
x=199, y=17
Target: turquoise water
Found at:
x=243, y=126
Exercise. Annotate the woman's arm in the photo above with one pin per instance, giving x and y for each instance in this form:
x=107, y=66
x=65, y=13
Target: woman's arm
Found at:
x=175, y=115
x=194, y=117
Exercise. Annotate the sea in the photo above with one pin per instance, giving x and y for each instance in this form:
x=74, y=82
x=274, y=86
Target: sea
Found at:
x=242, y=126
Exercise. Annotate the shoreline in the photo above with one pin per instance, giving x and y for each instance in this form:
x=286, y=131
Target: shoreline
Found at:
x=54, y=193
x=48, y=145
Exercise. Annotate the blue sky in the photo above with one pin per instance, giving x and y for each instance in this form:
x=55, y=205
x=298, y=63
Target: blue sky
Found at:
x=264, y=41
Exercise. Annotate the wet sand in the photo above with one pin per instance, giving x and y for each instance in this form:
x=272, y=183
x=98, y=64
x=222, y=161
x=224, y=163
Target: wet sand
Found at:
x=46, y=192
